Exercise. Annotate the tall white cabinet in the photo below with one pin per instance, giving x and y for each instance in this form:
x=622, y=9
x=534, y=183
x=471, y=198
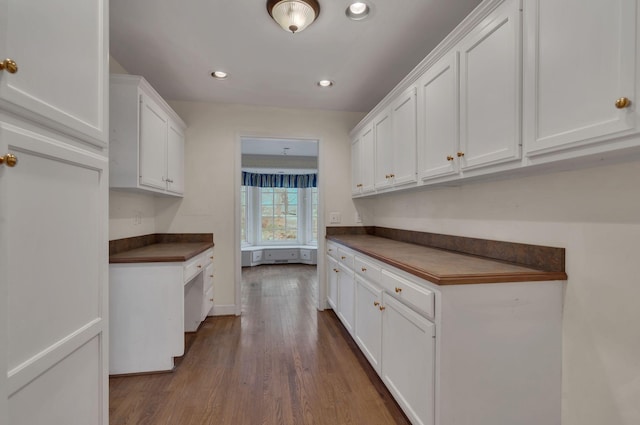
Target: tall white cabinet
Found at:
x=53, y=214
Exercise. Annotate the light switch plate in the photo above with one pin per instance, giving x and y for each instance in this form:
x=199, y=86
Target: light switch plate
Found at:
x=335, y=217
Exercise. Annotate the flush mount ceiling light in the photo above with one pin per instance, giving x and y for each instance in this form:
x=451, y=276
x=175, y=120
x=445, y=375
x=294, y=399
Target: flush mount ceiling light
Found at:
x=357, y=11
x=293, y=15
x=219, y=75
x=325, y=83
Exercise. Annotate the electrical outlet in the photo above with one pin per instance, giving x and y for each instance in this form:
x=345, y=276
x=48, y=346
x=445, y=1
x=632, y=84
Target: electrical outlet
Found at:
x=334, y=218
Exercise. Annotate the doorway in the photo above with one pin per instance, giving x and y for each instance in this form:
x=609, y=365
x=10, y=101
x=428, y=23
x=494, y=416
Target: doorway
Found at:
x=278, y=205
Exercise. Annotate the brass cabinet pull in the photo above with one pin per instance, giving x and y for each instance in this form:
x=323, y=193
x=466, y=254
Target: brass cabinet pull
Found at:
x=336, y=270
x=330, y=250
x=623, y=102
x=449, y=158
x=359, y=185
x=392, y=175
x=10, y=65
x=211, y=257
x=382, y=308
x=199, y=266
x=210, y=275
x=10, y=159
x=386, y=176
x=376, y=303
x=211, y=299
x=343, y=257
x=364, y=269
x=398, y=290
x=460, y=154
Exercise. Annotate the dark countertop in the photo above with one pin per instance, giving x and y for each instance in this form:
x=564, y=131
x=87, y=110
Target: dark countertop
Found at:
x=442, y=267
x=159, y=248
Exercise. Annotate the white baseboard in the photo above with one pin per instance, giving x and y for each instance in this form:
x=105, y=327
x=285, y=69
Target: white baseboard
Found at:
x=223, y=310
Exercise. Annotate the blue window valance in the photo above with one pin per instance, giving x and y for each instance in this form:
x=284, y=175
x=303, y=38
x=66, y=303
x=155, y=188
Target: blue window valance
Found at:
x=279, y=180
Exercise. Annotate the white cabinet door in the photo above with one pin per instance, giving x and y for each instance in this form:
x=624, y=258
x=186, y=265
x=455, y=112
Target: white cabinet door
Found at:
x=367, y=160
x=346, y=298
x=408, y=353
x=438, y=119
x=60, y=48
x=490, y=86
x=153, y=143
x=384, y=150
x=404, y=138
x=575, y=71
x=368, y=321
x=356, y=164
x=53, y=257
x=332, y=281
x=175, y=159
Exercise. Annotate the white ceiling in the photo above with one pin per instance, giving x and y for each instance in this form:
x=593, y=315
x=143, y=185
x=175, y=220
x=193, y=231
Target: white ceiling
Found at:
x=270, y=146
x=175, y=45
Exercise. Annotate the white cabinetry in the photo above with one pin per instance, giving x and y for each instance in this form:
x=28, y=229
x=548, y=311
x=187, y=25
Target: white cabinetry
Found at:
x=458, y=354
x=362, y=162
x=490, y=81
x=404, y=138
x=438, y=119
x=408, y=350
x=53, y=214
x=152, y=305
x=383, y=167
x=332, y=278
x=576, y=70
x=346, y=297
x=147, y=139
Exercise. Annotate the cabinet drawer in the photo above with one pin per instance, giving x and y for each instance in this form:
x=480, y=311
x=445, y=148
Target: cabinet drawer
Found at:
x=305, y=254
x=256, y=256
x=208, y=278
x=282, y=254
x=332, y=250
x=207, y=303
x=208, y=255
x=194, y=266
x=368, y=270
x=345, y=258
x=409, y=292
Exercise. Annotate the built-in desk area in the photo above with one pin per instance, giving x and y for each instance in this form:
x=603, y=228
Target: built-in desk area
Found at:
x=160, y=286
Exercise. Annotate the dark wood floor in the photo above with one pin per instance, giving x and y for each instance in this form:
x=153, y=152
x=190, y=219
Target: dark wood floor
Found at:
x=281, y=362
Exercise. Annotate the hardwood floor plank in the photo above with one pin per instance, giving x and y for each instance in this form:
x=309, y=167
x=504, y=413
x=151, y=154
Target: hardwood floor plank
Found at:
x=281, y=363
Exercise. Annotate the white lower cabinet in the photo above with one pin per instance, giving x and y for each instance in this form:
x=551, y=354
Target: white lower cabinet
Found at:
x=332, y=279
x=408, y=350
x=346, y=297
x=368, y=334
x=468, y=354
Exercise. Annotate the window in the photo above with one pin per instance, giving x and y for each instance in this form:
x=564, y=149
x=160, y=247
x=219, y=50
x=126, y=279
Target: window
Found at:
x=278, y=214
x=271, y=216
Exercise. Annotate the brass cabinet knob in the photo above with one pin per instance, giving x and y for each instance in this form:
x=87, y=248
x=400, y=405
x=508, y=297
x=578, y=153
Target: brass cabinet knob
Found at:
x=623, y=102
x=9, y=159
x=392, y=175
x=376, y=303
x=382, y=308
x=199, y=266
x=330, y=250
x=210, y=275
x=10, y=65
x=386, y=176
x=336, y=270
x=449, y=158
x=364, y=269
x=460, y=154
x=211, y=258
x=359, y=185
x=398, y=290
x=343, y=257
x=211, y=299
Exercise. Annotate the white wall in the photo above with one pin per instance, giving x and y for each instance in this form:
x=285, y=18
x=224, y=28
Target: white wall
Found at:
x=595, y=214
x=211, y=165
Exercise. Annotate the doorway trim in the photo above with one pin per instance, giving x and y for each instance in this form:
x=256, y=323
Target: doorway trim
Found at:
x=320, y=271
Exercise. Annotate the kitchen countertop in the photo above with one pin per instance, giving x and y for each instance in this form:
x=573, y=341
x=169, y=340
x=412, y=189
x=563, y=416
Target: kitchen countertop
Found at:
x=159, y=248
x=442, y=267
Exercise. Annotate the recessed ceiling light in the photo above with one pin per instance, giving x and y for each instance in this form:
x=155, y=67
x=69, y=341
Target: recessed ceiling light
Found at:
x=325, y=83
x=220, y=75
x=357, y=11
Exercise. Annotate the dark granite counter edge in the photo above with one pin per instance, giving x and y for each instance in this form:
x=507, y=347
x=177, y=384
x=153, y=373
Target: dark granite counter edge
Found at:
x=117, y=246
x=543, y=258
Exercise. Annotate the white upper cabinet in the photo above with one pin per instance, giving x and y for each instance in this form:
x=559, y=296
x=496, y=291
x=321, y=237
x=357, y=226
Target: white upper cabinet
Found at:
x=356, y=166
x=367, y=160
x=60, y=50
x=383, y=149
x=404, y=138
x=147, y=139
x=490, y=81
x=580, y=57
x=438, y=119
